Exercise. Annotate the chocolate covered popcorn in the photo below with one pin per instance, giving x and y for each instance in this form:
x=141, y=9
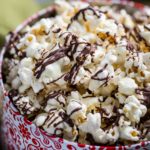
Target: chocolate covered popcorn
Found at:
x=84, y=73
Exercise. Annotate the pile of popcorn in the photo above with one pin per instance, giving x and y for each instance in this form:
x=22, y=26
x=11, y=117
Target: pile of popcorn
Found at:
x=84, y=74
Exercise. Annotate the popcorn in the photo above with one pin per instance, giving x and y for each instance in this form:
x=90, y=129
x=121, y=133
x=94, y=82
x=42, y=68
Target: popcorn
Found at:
x=129, y=133
x=76, y=110
x=99, y=53
x=34, y=50
x=25, y=76
x=146, y=36
x=77, y=28
x=70, y=133
x=127, y=20
x=26, y=41
x=120, y=97
x=27, y=63
x=24, y=104
x=113, y=135
x=122, y=122
x=42, y=27
x=50, y=108
x=108, y=106
x=40, y=119
x=82, y=74
x=146, y=59
x=121, y=51
x=16, y=83
x=105, y=91
x=52, y=72
x=66, y=6
x=56, y=99
x=93, y=123
x=127, y=86
x=134, y=60
x=109, y=26
x=145, y=33
x=146, y=75
x=92, y=103
x=36, y=85
x=54, y=123
x=102, y=77
x=13, y=74
x=133, y=109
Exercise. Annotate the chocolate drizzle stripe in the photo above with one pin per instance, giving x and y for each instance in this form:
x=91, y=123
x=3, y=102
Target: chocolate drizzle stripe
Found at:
x=56, y=124
x=51, y=58
x=61, y=103
x=75, y=110
x=49, y=117
x=146, y=27
x=73, y=49
x=84, y=53
x=100, y=71
x=130, y=47
x=52, y=109
x=82, y=11
x=66, y=118
x=57, y=79
x=94, y=77
x=53, y=121
x=69, y=49
x=71, y=76
x=57, y=30
x=146, y=95
x=140, y=38
x=55, y=95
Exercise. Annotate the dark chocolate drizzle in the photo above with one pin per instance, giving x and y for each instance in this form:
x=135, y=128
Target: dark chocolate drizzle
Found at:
x=146, y=27
x=80, y=59
x=105, y=79
x=146, y=94
x=75, y=110
x=69, y=48
x=57, y=79
x=22, y=107
x=83, y=11
x=52, y=121
x=71, y=76
x=133, y=35
x=66, y=119
x=94, y=77
x=57, y=30
x=140, y=38
x=55, y=95
x=52, y=109
x=51, y=58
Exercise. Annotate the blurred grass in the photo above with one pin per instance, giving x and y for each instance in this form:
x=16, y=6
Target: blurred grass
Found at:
x=13, y=12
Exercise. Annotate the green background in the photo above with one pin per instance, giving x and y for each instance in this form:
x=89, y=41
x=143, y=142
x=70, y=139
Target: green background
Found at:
x=13, y=12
